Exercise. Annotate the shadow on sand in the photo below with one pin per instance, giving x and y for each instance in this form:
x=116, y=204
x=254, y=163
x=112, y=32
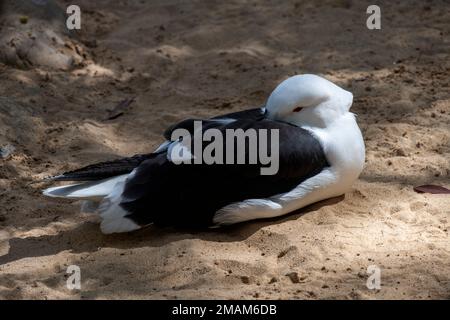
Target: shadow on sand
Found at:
x=88, y=238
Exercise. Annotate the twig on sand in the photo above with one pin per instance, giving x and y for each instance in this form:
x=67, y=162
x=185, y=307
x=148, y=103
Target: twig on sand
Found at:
x=120, y=108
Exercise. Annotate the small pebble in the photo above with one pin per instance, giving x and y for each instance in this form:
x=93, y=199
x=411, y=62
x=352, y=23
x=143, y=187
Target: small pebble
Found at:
x=293, y=276
x=6, y=151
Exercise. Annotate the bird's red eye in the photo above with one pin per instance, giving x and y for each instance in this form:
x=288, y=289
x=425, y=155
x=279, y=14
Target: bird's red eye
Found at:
x=298, y=109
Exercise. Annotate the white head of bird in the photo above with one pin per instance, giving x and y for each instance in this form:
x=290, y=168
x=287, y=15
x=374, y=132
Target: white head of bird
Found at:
x=308, y=100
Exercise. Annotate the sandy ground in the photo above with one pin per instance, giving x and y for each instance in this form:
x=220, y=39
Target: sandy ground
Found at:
x=202, y=58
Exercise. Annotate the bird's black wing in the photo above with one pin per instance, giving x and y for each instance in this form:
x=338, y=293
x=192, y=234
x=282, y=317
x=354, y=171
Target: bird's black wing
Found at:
x=256, y=114
x=189, y=194
x=103, y=170
x=107, y=169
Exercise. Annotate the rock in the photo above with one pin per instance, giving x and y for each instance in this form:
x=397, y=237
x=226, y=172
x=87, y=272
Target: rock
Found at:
x=34, y=33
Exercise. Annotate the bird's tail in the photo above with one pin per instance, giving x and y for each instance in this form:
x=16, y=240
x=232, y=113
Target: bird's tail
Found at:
x=102, y=197
x=100, y=186
x=93, y=190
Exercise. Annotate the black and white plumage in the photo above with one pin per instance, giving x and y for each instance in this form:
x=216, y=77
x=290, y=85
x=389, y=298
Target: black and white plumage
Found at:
x=321, y=153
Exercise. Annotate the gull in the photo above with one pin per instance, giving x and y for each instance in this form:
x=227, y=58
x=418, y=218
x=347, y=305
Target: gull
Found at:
x=320, y=149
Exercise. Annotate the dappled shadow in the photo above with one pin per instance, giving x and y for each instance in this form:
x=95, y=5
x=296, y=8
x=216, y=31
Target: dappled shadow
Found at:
x=184, y=59
x=88, y=238
x=411, y=180
x=259, y=52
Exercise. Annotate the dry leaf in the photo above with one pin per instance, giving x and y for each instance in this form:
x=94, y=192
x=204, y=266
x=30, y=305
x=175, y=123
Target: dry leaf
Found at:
x=429, y=188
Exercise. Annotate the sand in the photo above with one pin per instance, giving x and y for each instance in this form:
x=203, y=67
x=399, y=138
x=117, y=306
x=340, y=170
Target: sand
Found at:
x=184, y=59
